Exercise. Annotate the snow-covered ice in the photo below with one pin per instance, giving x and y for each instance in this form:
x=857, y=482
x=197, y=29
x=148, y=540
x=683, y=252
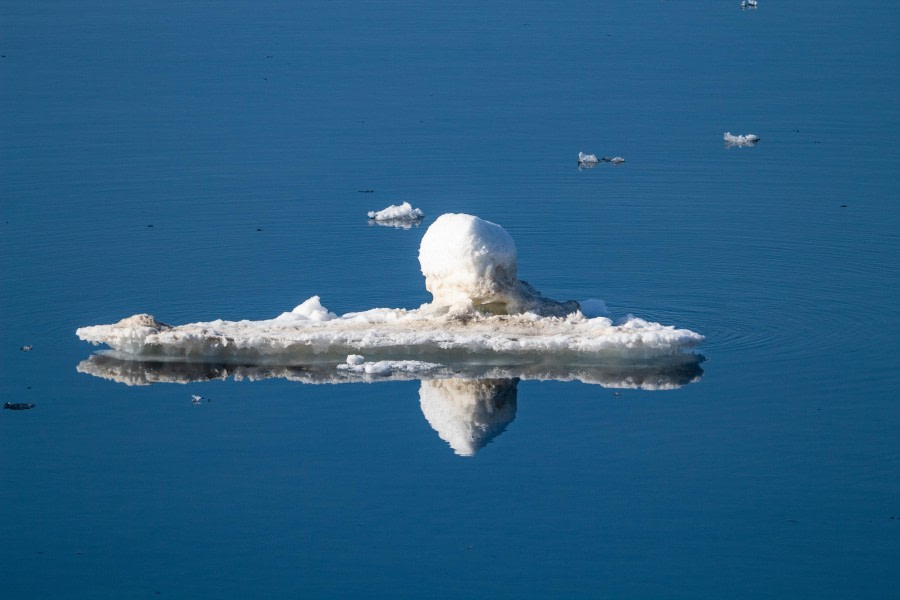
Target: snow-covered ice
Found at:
x=749, y=139
x=587, y=159
x=480, y=311
x=400, y=212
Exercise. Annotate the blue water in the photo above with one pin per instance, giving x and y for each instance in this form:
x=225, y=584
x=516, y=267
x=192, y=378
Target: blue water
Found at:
x=242, y=133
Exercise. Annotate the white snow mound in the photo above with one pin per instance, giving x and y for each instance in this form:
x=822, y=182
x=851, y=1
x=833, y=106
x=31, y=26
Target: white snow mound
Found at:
x=402, y=212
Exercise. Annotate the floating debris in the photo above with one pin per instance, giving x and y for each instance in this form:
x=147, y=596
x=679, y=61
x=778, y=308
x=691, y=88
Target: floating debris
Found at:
x=26, y=348
x=18, y=405
x=366, y=191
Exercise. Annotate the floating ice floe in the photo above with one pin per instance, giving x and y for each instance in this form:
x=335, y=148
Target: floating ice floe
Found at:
x=402, y=215
x=740, y=140
x=587, y=159
x=480, y=313
x=616, y=160
x=749, y=4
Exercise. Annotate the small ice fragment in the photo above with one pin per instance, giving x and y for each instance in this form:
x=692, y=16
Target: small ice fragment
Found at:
x=402, y=212
x=587, y=158
x=748, y=4
x=26, y=348
x=195, y=399
x=616, y=160
x=594, y=307
x=356, y=364
x=740, y=140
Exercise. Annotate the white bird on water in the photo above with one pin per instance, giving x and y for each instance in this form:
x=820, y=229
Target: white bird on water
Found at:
x=587, y=158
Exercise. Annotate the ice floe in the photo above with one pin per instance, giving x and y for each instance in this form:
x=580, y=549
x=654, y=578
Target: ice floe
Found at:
x=587, y=159
x=481, y=312
x=749, y=139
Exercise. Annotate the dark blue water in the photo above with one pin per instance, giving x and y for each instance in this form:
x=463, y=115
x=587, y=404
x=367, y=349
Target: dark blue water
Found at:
x=242, y=133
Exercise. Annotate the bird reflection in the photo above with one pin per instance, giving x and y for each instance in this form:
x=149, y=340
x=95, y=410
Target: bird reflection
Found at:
x=466, y=413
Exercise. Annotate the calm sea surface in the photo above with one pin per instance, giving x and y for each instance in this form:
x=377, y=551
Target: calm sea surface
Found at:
x=205, y=160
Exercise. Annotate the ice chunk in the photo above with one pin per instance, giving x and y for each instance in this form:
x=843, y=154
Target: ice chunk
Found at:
x=740, y=140
x=587, y=159
x=471, y=263
x=402, y=212
x=386, y=367
x=468, y=261
x=355, y=359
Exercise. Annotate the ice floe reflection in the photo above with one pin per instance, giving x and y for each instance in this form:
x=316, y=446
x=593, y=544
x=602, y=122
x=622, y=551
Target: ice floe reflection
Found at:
x=468, y=405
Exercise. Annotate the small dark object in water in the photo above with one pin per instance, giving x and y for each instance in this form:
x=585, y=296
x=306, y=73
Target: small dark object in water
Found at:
x=18, y=406
x=843, y=206
x=259, y=228
x=26, y=348
x=366, y=191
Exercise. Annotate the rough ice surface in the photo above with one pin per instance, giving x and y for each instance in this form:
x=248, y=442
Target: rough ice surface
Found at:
x=587, y=159
x=480, y=312
x=402, y=212
x=740, y=140
x=468, y=414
